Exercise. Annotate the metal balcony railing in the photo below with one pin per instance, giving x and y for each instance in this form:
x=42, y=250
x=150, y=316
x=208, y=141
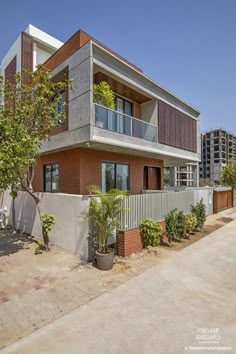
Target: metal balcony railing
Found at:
x=118, y=122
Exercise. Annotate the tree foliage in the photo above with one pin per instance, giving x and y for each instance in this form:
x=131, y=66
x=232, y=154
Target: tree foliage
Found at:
x=27, y=116
x=228, y=175
x=103, y=94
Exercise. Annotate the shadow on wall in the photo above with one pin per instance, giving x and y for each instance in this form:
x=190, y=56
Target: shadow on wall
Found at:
x=71, y=228
x=25, y=213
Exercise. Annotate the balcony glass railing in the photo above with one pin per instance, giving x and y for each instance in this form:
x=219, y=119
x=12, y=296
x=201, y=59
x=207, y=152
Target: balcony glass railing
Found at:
x=122, y=123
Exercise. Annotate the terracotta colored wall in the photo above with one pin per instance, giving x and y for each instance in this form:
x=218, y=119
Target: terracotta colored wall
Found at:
x=130, y=241
x=69, y=168
x=81, y=167
x=72, y=45
x=137, y=110
x=26, y=55
x=10, y=71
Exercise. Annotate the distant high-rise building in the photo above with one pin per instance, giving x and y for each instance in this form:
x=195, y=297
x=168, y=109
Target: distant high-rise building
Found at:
x=218, y=148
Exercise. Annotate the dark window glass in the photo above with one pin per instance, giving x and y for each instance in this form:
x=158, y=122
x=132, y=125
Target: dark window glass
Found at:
x=60, y=106
x=51, y=178
x=115, y=175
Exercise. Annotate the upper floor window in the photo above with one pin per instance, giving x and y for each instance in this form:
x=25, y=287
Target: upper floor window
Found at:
x=60, y=106
x=124, y=106
x=51, y=178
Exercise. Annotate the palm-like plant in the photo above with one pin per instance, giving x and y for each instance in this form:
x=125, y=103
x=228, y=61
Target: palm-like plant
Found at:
x=103, y=94
x=103, y=213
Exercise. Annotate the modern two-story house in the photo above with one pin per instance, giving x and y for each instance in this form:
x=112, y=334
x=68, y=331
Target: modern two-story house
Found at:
x=125, y=148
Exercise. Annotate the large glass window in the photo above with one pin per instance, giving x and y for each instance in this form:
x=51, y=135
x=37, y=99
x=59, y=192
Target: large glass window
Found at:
x=115, y=175
x=51, y=178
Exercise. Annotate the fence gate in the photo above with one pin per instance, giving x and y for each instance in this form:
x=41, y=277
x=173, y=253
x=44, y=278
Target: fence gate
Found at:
x=222, y=199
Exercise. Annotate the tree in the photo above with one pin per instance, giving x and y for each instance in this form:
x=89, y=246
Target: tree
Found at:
x=27, y=116
x=228, y=175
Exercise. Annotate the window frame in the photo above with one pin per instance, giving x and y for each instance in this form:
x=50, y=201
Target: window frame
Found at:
x=115, y=163
x=124, y=101
x=44, y=176
x=61, y=93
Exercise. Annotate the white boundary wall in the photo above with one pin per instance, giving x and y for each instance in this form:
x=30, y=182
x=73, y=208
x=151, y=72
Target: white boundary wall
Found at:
x=71, y=228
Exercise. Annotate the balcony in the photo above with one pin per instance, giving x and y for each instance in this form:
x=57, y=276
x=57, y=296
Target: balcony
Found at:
x=121, y=123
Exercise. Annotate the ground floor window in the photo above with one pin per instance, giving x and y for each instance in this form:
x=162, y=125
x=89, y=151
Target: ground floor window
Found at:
x=151, y=178
x=51, y=177
x=115, y=175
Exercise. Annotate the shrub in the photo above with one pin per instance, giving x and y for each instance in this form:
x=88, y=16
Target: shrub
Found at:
x=170, y=221
x=190, y=223
x=48, y=220
x=180, y=225
x=103, y=94
x=199, y=210
x=151, y=232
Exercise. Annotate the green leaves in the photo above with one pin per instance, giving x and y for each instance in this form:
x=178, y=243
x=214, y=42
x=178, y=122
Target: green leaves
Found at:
x=103, y=213
x=199, y=210
x=27, y=117
x=102, y=94
x=48, y=220
x=228, y=175
x=151, y=232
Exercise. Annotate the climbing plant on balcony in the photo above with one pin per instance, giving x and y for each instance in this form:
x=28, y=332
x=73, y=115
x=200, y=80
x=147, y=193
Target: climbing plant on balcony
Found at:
x=103, y=94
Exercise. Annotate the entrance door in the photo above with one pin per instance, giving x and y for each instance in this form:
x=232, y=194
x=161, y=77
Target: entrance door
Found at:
x=151, y=178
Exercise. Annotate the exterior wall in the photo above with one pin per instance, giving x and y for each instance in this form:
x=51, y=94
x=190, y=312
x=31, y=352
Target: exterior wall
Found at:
x=149, y=112
x=79, y=168
x=176, y=129
x=10, y=70
x=26, y=55
x=71, y=228
x=131, y=241
x=31, y=57
x=78, y=40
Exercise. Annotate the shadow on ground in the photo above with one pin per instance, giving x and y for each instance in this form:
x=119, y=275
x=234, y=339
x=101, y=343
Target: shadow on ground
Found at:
x=12, y=243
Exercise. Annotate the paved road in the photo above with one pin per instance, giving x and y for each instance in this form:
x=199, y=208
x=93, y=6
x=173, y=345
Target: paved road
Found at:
x=167, y=309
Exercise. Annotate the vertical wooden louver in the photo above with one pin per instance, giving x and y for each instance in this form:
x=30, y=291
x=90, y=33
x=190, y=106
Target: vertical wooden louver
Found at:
x=176, y=128
x=10, y=71
x=26, y=55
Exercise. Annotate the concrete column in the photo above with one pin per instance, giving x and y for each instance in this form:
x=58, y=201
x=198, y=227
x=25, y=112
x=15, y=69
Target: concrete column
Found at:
x=172, y=177
x=196, y=175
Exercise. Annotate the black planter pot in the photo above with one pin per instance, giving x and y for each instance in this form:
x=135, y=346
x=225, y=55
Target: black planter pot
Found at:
x=105, y=260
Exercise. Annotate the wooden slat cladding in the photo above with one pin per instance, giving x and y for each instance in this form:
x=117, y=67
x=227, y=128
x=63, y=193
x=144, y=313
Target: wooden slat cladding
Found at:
x=121, y=89
x=10, y=71
x=26, y=55
x=176, y=128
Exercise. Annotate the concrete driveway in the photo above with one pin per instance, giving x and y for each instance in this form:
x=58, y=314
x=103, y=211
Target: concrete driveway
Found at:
x=183, y=304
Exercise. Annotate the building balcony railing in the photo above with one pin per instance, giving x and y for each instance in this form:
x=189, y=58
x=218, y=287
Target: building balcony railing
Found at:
x=118, y=122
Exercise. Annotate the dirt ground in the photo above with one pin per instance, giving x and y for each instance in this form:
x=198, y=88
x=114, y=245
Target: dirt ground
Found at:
x=36, y=290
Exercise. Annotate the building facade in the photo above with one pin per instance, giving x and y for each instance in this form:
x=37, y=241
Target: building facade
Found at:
x=125, y=148
x=218, y=148
x=31, y=48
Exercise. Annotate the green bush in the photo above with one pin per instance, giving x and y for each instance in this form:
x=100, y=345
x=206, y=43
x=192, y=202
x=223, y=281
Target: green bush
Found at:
x=180, y=225
x=190, y=223
x=170, y=221
x=199, y=210
x=151, y=232
x=48, y=220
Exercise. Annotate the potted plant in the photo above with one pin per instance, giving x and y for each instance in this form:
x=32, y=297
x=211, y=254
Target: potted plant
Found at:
x=102, y=95
x=103, y=213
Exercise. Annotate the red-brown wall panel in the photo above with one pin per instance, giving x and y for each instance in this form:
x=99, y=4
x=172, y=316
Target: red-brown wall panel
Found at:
x=176, y=128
